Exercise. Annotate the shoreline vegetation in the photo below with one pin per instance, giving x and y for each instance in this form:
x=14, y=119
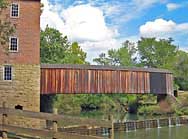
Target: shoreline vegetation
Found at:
x=141, y=105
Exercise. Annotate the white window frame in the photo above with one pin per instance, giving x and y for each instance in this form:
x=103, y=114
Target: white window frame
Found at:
x=4, y=73
x=13, y=51
x=18, y=10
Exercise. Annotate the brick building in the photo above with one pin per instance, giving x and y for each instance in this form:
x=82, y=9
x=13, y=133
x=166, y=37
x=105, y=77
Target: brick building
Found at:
x=20, y=62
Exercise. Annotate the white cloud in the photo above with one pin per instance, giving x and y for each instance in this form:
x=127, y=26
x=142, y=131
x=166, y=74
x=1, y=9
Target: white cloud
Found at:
x=50, y=17
x=78, y=2
x=144, y=3
x=173, y=6
x=93, y=49
x=163, y=28
x=118, y=11
x=137, y=8
x=82, y=23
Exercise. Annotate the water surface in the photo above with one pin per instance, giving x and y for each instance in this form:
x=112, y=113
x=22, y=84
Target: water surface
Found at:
x=176, y=132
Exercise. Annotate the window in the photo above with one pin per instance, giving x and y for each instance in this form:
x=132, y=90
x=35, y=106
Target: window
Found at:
x=14, y=10
x=13, y=44
x=7, y=73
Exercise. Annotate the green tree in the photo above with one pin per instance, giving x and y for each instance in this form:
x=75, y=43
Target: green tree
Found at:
x=157, y=53
x=181, y=70
x=3, y=4
x=102, y=60
x=53, y=46
x=6, y=29
x=119, y=57
x=75, y=55
x=181, y=65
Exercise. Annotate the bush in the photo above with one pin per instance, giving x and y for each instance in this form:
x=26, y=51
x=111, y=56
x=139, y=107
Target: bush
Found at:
x=67, y=103
x=181, y=111
x=85, y=102
x=151, y=110
x=182, y=83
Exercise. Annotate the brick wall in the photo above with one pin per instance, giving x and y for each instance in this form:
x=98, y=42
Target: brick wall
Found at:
x=28, y=31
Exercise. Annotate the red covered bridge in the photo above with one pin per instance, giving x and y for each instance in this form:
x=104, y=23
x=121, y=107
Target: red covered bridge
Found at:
x=77, y=79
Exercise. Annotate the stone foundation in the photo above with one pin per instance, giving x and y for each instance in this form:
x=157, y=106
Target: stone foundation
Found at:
x=23, y=90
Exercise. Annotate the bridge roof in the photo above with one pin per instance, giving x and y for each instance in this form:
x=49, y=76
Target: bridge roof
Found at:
x=98, y=67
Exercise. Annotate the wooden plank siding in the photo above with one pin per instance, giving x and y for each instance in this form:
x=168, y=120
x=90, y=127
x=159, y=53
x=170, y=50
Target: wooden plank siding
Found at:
x=57, y=79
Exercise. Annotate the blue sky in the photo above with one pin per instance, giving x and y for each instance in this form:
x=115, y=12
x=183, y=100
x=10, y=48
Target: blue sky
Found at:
x=100, y=25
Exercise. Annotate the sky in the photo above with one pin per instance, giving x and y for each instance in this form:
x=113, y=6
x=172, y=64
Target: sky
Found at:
x=100, y=25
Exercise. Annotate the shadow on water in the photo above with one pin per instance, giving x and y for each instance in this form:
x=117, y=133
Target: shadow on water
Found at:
x=117, y=115
x=177, y=132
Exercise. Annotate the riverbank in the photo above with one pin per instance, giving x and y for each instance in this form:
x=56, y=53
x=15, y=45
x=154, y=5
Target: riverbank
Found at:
x=121, y=104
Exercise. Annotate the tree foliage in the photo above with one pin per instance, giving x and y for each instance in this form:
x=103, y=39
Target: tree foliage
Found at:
x=119, y=57
x=181, y=70
x=157, y=53
x=75, y=55
x=3, y=4
x=6, y=29
x=55, y=48
x=181, y=65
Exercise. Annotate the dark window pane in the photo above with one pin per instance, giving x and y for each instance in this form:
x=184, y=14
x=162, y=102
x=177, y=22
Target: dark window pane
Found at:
x=7, y=73
x=14, y=10
x=13, y=44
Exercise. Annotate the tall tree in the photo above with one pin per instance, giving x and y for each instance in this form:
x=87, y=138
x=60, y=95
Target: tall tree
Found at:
x=181, y=70
x=181, y=65
x=75, y=55
x=55, y=48
x=157, y=53
x=119, y=57
x=102, y=60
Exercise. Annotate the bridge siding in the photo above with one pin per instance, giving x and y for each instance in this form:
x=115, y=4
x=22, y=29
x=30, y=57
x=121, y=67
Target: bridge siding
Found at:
x=56, y=80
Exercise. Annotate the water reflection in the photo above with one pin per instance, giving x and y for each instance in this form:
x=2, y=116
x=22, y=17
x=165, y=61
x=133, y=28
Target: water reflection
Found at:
x=118, y=116
x=179, y=132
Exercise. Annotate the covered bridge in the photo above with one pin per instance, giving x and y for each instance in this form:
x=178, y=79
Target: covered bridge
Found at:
x=90, y=79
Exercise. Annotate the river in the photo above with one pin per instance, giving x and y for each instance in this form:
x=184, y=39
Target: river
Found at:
x=176, y=132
